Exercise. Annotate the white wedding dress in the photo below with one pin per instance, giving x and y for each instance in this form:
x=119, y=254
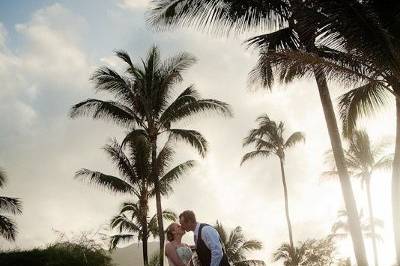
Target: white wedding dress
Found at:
x=184, y=253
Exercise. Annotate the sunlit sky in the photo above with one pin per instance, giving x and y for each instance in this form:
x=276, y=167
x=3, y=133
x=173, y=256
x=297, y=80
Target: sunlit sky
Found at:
x=49, y=49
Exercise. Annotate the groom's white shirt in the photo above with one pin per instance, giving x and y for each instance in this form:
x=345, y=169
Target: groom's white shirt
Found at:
x=210, y=237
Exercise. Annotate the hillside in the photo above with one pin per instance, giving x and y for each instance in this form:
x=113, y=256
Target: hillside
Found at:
x=132, y=255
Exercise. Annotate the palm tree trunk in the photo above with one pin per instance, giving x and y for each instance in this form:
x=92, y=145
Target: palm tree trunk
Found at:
x=371, y=220
x=347, y=191
x=158, y=197
x=396, y=185
x=144, y=247
x=286, y=204
x=145, y=228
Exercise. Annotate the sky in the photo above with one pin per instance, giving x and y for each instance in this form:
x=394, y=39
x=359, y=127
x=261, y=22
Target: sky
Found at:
x=48, y=51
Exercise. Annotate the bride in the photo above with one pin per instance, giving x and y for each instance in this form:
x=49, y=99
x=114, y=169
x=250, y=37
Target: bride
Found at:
x=178, y=254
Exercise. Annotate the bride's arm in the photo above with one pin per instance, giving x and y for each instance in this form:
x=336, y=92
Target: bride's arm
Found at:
x=170, y=252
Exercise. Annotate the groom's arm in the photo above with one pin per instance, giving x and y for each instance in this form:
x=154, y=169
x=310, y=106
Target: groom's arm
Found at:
x=210, y=237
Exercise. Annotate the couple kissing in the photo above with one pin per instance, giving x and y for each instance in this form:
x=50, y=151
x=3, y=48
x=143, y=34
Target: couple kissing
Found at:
x=208, y=245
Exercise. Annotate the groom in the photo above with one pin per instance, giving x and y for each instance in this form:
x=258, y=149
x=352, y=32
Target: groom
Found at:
x=207, y=240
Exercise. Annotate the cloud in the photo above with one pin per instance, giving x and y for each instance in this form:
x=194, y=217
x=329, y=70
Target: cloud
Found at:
x=133, y=4
x=3, y=36
x=39, y=82
x=52, y=49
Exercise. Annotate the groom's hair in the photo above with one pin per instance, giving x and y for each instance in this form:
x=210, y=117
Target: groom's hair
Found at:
x=188, y=216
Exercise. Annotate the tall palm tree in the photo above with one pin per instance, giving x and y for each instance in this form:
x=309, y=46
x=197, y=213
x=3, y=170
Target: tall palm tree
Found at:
x=236, y=246
x=268, y=140
x=134, y=165
x=362, y=159
x=362, y=44
x=291, y=30
x=142, y=104
x=130, y=225
x=8, y=227
x=311, y=252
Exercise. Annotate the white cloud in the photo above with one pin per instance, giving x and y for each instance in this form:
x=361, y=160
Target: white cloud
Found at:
x=3, y=36
x=133, y=4
x=38, y=83
x=52, y=51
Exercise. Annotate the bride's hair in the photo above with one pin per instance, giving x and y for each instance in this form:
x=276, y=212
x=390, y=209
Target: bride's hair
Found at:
x=170, y=235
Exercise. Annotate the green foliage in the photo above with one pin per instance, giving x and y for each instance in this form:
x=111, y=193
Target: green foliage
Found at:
x=154, y=260
x=237, y=246
x=311, y=252
x=58, y=254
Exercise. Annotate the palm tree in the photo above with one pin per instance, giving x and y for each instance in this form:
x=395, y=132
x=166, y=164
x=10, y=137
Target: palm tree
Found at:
x=362, y=160
x=340, y=228
x=268, y=139
x=236, y=246
x=134, y=167
x=362, y=44
x=142, y=104
x=289, y=22
x=311, y=252
x=291, y=256
x=130, y=226
x=8, y=227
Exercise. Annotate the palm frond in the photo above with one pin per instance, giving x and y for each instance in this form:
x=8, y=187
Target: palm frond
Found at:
x=354, y=25
x=8, y=228
x=201, y=106
x=3, y=177
x=110, y=182
x=192, y=137
x=189, y=95
x=108, y=80
x=173, y=175
x=285, y=38
x=123, y=55
x=262, y=74
x=251, y=245
x=125, y=224
x=133, y=136
x=255, y=154
x=384, y=163
x=121, y=161
x=172, y=69
x=294, y=139
x=292, y=64
x=120, y=238
x=130, y=207
x=218, y=16
x=168, y=215
x=164, y=159
x=362, y=101
x=10, y=205
x=221, y=231
x=108, y=110
x=235, y=239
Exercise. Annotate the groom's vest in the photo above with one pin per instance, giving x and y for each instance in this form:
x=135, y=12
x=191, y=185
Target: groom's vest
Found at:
x=204, y=254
